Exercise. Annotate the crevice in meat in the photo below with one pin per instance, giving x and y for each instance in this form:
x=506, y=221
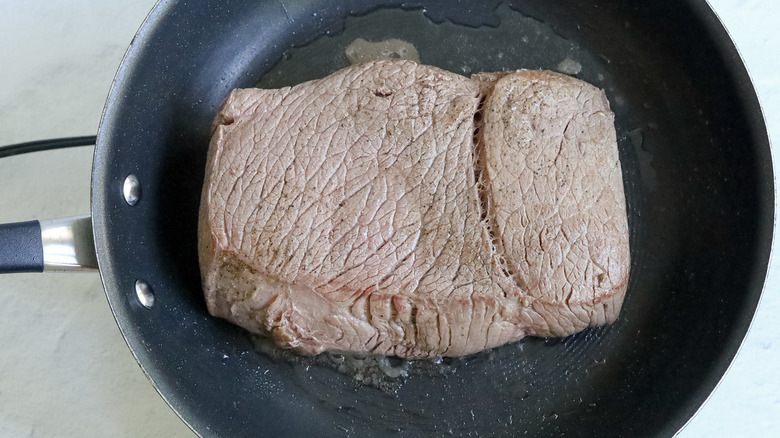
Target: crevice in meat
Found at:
x=482, y=185
x=477, y=138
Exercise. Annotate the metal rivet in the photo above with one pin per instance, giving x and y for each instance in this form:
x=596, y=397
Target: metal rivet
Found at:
x=132, y=189
x=144, y=293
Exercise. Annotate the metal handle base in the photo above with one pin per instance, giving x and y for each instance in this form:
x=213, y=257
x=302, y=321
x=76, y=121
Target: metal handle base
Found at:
x=68, y=245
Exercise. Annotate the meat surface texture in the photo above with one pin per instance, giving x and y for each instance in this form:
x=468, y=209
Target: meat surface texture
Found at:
x=399, y=209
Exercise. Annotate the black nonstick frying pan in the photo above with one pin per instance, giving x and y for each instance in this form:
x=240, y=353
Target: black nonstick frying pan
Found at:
x=698, y=181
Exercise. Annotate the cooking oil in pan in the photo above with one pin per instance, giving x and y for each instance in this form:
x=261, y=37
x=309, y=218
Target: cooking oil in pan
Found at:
x=382, y=372
x=498, y=38
x=360, y=50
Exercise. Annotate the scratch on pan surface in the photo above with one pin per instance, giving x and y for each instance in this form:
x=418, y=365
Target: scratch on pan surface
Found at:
x=285, y=12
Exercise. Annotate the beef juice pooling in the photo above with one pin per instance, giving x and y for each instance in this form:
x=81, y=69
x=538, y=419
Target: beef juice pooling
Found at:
x=509, y=41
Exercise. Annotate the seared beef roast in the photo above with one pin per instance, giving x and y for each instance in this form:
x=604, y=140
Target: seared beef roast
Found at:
x=401, y=209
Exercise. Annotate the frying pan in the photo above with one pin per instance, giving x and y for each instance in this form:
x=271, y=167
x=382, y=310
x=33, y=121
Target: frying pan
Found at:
x=698, y=182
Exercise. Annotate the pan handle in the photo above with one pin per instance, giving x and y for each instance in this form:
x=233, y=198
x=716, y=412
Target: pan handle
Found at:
x=59, y=245
x=47, y=246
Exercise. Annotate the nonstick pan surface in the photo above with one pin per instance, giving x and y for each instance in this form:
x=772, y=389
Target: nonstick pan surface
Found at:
x=698, y=181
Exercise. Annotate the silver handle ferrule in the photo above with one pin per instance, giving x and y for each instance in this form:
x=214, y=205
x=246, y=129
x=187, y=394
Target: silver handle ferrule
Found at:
x=68, y=245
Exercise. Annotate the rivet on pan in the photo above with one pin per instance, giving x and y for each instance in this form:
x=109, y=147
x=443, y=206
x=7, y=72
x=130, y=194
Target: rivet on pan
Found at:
x=131, y=189
x=144, y=293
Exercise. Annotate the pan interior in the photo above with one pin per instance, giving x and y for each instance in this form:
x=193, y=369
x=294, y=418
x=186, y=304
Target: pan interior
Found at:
x=694, y=154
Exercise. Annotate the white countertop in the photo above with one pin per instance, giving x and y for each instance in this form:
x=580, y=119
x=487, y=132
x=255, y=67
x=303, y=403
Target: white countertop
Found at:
x=65, y=370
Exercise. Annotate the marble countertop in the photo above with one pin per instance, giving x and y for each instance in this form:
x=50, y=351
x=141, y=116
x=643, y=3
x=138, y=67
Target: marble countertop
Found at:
x=65, y=370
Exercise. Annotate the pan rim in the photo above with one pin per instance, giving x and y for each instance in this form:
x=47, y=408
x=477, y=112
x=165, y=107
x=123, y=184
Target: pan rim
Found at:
x=742, y=337
x=100, y=227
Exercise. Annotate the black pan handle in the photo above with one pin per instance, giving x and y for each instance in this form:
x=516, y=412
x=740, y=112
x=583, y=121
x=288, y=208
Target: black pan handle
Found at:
x=21, y=248
x=57, y=245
